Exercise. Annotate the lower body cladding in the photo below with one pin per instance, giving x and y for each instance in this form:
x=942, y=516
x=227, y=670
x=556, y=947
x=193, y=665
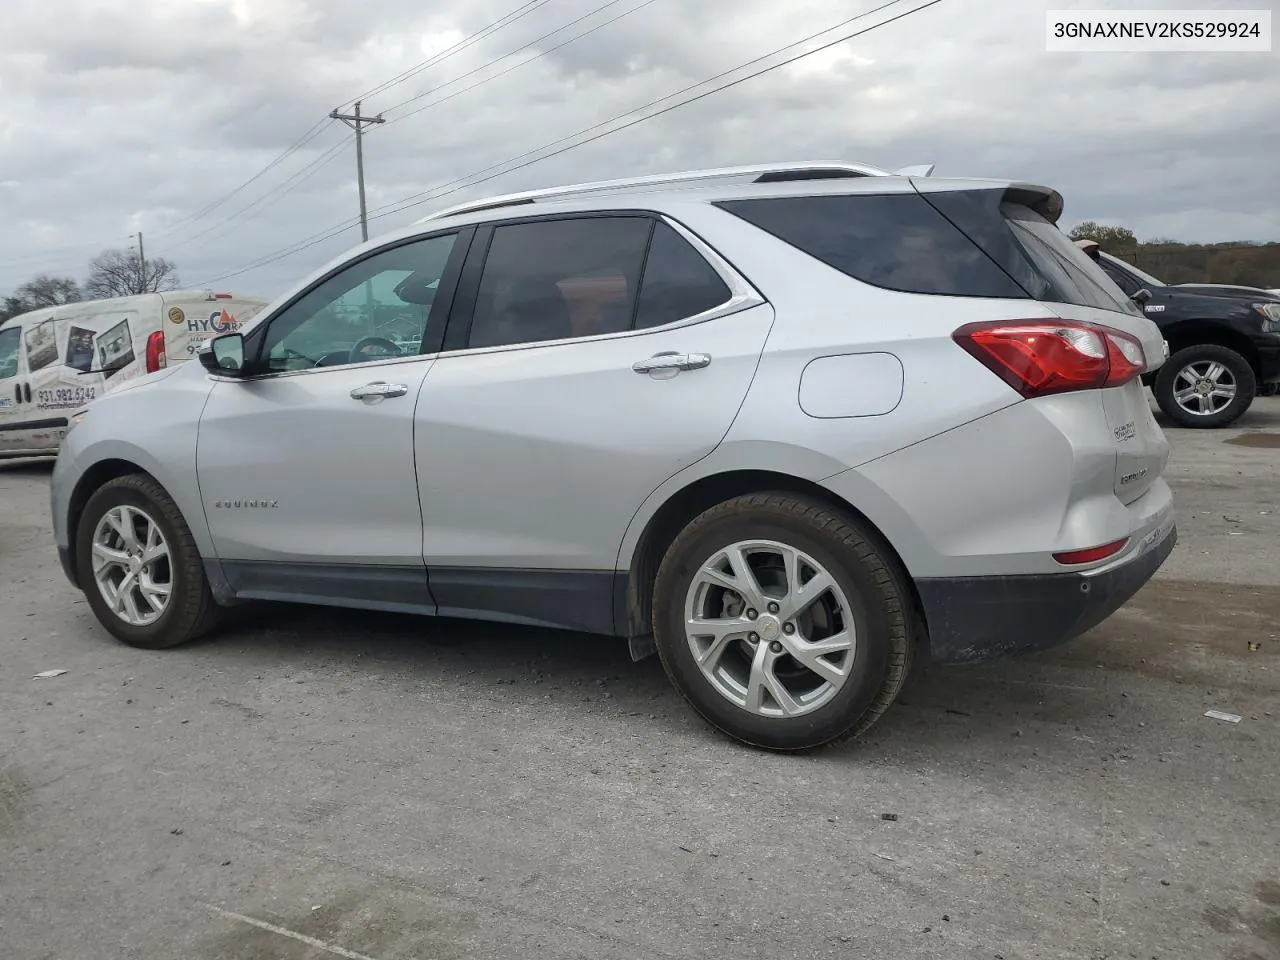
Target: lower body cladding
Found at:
x=976, y=618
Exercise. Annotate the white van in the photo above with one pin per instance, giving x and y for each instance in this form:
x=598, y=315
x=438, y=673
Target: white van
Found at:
x=56, y=359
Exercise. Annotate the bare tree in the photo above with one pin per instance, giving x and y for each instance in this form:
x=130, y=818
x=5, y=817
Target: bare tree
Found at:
x=122, y=273
x=43, y=290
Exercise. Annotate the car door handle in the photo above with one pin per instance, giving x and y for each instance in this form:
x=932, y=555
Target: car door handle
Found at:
x=672, y=361
x=378, y=390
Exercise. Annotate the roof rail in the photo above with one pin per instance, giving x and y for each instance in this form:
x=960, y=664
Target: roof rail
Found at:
x=761, y=173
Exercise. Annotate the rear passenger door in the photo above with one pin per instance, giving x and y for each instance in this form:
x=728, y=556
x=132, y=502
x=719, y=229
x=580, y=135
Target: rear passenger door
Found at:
x=589, y=358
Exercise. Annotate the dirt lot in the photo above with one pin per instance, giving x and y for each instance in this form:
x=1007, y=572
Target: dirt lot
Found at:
x=318, y=783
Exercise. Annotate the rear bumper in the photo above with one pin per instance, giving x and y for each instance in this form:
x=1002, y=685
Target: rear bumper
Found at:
x=977, y=618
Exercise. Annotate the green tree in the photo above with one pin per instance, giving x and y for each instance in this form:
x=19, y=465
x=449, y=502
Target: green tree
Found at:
x=1118, y=241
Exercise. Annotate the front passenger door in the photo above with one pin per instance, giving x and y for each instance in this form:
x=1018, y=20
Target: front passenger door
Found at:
x=306, y=465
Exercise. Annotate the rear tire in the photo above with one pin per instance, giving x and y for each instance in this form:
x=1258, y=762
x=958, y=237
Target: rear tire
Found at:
x=808, y=699
x=1186, y=371
x=154, y=603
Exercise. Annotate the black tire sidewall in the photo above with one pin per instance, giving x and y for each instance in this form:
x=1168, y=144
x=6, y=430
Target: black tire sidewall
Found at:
x=154, y=635
x=870, y=621
x=1246, y=385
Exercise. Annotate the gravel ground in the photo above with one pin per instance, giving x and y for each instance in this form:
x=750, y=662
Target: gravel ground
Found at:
x=316, y=783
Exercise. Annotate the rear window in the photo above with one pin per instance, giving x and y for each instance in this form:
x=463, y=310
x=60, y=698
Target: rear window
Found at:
x=1039, y=256
x=896, y=241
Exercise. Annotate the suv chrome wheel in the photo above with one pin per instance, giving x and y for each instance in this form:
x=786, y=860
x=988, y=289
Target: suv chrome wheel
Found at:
x=1204, y=388
x=770, y=628
x=131, y=565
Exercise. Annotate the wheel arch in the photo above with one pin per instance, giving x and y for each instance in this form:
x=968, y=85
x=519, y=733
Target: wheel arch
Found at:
x=632, y=605
x=1194, y=333
x=92, y=480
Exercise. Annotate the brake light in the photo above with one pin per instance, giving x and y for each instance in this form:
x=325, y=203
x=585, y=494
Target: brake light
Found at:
x=1091, y=554
x=1041, y=357
x=156, y=359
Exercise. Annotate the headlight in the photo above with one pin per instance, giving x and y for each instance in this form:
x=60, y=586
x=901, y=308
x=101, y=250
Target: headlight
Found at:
x=1270, y=316
x=75, y=419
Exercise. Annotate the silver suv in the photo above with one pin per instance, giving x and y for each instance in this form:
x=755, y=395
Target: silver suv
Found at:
x=789, y=425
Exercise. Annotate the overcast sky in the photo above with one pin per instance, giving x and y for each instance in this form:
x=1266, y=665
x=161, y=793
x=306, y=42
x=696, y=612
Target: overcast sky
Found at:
x=120, y=115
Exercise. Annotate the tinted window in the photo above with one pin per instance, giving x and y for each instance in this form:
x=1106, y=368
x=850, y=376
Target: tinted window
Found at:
x=1122, y=279
x=1063, y=273
x=897, y=241
x=1040, y=257
x=9, y=342
x=554, y=279
x=374, y=309
x=678, y=281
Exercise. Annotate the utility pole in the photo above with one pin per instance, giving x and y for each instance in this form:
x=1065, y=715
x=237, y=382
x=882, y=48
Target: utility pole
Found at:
x=356, y=123
x=142, y=265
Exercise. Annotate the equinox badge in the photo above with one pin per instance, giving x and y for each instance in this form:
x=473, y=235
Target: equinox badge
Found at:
x=242, y=504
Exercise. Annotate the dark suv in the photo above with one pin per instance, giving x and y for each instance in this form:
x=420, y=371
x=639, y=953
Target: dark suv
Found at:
x=1224, y=344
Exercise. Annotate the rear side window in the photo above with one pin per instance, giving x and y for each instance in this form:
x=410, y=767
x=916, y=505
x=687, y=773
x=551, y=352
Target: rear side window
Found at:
x=556, y=279
x=588, y=276
x=896, y=241
x=1039, y=256
x=678, y=282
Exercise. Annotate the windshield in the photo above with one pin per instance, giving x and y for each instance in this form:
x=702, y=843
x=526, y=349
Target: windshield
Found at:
x=1140, y=274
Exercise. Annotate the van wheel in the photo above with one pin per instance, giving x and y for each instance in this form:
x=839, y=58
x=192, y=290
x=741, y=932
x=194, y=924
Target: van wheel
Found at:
x=1205, y=386
x=142, y=574
x=782, y=623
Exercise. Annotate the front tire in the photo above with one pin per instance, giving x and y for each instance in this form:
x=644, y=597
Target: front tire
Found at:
x=142, y=574
x=1206, y=385
x=782, y=622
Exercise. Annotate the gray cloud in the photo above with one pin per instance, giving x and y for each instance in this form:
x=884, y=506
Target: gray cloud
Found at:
x=127, y=115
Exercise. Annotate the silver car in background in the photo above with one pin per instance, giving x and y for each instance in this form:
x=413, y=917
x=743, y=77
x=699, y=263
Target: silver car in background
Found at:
x=791, y=425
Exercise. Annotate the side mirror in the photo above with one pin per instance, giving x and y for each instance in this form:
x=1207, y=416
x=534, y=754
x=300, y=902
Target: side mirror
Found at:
x=1141, y=296
x=224, y=355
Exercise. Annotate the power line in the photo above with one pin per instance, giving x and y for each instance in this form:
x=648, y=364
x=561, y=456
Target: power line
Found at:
x=518, y=13
x=315, y=131
x=531, y=43
x=468, y=181
x=273, y=196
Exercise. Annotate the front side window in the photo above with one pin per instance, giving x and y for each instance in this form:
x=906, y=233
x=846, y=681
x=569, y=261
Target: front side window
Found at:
x=10, y=340
x=374, y=309
x=556, y=279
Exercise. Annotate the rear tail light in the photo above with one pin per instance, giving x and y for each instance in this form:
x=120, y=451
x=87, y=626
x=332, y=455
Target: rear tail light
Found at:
x=1091, y=554
x=156, y=359
x=1040, y=357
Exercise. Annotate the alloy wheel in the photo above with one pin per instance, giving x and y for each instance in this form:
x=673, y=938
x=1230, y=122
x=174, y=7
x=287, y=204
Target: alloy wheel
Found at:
x=770, y=628
x=1204, y=388
x=132, y=565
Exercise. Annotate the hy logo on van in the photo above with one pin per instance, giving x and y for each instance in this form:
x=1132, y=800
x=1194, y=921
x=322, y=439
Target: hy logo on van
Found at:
x=220, y=321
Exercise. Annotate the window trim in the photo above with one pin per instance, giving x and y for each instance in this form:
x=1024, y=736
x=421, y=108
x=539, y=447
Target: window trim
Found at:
x=432, y=336
x=742, y=294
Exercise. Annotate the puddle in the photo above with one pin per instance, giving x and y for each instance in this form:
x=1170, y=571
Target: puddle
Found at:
x=1264, y=441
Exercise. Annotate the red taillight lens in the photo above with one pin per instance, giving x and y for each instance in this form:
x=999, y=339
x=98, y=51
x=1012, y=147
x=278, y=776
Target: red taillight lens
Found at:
x=156, y=359
x=1040, y=357
x=1091, y=554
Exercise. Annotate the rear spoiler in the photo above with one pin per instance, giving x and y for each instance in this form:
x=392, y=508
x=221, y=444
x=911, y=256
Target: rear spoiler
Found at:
x=919, y=170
